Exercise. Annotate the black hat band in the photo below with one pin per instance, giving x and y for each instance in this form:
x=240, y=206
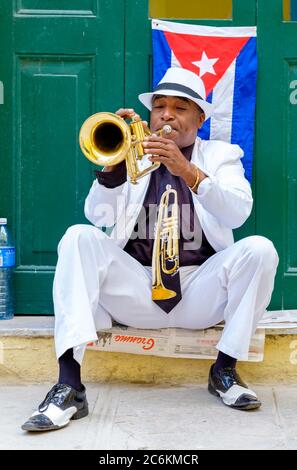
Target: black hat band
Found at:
x=178, y=87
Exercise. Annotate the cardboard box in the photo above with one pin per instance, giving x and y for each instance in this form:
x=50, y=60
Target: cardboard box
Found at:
x=171, y=342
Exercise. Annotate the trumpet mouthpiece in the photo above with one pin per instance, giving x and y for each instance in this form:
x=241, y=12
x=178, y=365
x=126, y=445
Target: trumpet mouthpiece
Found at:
x=167, y=129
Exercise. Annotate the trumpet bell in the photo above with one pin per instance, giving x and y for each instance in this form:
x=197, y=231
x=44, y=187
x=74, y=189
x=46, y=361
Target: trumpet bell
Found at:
x=105, y=139
x=159, y=292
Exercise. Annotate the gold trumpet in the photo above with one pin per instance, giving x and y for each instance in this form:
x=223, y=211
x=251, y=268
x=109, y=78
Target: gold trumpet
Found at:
x=165, y=245
x=106, y=139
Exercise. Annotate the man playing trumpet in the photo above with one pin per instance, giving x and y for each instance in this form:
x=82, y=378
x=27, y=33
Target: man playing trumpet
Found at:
x=100, y=277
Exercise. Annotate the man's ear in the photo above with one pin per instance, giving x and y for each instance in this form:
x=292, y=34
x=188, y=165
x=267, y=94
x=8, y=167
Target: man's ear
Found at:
x=201, y=119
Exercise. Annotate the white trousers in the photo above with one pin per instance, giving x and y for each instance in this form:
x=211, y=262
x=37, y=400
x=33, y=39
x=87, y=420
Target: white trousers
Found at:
x=97, y=281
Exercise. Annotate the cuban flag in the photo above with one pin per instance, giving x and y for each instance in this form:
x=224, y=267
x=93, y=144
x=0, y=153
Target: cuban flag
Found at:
x=225, y=59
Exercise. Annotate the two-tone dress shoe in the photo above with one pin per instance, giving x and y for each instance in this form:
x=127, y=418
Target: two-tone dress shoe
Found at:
x=61, y=404
x=233, y=392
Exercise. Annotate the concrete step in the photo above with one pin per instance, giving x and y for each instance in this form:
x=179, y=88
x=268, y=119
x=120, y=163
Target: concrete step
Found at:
x=27, y=355
x=158, y=417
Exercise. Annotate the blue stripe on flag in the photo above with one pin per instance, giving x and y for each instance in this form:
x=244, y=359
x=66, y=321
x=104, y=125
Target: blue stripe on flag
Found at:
x=244, y=102
x=161, y=56
x=204, y=132
x=293, y=10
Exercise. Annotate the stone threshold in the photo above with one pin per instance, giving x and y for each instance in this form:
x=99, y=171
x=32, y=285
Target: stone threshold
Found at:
x=43, y=326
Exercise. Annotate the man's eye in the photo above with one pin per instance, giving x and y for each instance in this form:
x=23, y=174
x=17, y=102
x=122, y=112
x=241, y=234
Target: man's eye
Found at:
x=183, y=109
x=158, y=106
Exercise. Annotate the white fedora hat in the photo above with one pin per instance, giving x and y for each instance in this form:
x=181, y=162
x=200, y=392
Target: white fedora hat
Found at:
x=180, y=82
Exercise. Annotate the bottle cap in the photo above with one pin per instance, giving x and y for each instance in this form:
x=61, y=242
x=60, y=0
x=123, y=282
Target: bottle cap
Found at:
x=3, y=221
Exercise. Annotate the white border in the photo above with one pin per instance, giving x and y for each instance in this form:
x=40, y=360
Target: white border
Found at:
x=222, y=101
x=193, y=29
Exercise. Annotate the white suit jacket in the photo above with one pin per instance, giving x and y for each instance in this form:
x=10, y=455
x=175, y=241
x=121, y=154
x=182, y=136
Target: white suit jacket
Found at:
x=223, y=202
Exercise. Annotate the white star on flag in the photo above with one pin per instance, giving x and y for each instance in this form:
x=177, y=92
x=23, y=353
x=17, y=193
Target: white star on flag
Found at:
x=205, y=65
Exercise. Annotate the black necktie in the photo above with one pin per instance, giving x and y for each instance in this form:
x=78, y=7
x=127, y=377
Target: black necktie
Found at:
x=171, y=282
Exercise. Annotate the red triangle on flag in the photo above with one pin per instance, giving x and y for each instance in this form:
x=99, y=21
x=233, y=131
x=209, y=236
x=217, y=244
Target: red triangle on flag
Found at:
x=189, y=48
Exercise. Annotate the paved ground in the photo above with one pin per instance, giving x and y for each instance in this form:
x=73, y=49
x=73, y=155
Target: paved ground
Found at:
x=154, y=417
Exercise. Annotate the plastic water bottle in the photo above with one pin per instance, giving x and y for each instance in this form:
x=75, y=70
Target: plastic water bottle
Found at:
x=7, y=262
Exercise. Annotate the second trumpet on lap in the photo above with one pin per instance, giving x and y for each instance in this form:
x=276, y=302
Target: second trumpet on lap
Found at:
x=165, y=248
x=106, y=139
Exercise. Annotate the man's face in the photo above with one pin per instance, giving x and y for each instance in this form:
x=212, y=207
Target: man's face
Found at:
x=183, y=115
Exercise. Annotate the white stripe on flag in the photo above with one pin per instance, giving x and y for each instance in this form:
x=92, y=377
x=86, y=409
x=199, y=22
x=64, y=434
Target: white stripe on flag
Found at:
x=228, y=31
x=174, y=61
x=222, y=99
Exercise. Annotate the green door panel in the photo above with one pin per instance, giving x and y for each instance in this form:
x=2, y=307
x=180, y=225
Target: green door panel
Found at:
x=62, y=62
x=276, y=210
x=62, y=7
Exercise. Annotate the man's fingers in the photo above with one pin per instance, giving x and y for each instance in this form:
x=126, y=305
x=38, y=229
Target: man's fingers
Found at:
x=156, y=151
x=158, y=158
x=155, y=138
x=150, y=145
x=125, y=112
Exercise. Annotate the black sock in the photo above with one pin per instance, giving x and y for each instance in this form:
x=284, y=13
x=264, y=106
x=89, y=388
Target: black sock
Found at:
x=223, y=360
x=70, y=371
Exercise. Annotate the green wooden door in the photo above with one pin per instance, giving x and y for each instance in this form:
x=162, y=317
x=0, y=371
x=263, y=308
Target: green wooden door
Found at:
x=276, y=162
x=60, y=61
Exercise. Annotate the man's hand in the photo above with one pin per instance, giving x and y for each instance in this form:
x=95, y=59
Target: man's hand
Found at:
x=125, y=113
x=166, y=151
